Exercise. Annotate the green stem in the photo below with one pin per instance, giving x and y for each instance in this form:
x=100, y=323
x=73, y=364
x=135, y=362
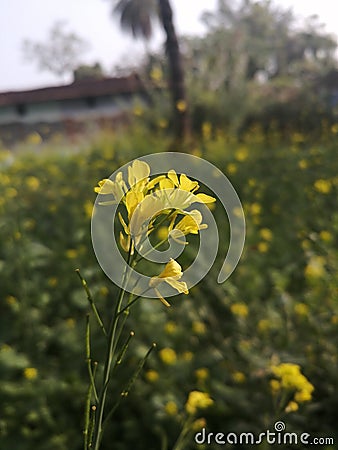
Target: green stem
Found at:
x=111, y=345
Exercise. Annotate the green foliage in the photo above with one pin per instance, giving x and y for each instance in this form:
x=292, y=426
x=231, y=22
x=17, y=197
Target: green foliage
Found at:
x=280, y=305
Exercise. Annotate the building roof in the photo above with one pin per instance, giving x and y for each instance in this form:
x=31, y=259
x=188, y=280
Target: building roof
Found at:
x=78, y=89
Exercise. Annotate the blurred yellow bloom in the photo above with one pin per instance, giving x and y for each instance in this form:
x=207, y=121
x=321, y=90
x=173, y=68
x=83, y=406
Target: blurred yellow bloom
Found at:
x=238, y=377
x=156, y=74
x=301, y=309
x=30, y=373
x=255, y=209
x=162, y=123
x=275, y=386
x=231, y=168
x=88, y=208
x=325, y=236
x=32, y=183
x=239, y=309
x=206, y=130
x=266, y=234
x=52, y=281
x=199, y=424
x=187, y=356
x=197, y=400
x=202, y=374
x=303, y=164
x=199, y=327
x=171, y=274
x=181, y=105
x=162, y=233
x=323, y=186
x=263, y=325
x=104, y=291
x=291, y=378
x=171, y=408
x=152, y=376
x=71, y=253
x=70, y=322
x=11, y=300
x=170, y=327
x=168, y=356
x=291, y=407
x=138, y=111
x=315, y=267
x=242, y=154
x=262, y=247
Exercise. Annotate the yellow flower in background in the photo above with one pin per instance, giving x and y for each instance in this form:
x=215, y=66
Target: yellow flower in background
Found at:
x=30, y=373
x=262, y=247
x=291, y=379
x=187, y=356
x=152, y=376
x=239, y=309
x=266, y=234
x=181, y=105
x=171, y=408
x=301, y=309
x=33, y=183
x=255, y=209
x=242, y=154
x=303, y=164
x=71, y=253
x=197, y=400
x=170, y=327
x=206, y=130
x=156, y=74
x=171, y=275
x=315, y=267
x=275, y=386
x=168, y=356
x=202, y=374
x=323, y=186
x=231, y=168
x=325, y=236
x=263, y=325
x=238, y=377
x=199, y=327
x=291, y=407
x=88, y=208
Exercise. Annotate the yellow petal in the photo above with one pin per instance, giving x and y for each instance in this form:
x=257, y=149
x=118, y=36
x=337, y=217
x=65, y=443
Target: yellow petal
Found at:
x=137, y=172
x=180, y=286
x=155, y=181
x=173, y=177
x=186, y=184
x=172, y=269
x=163, y=300
x=204, y=198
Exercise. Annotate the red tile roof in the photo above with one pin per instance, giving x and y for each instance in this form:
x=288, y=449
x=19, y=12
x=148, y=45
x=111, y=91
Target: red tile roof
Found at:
x=79, y=89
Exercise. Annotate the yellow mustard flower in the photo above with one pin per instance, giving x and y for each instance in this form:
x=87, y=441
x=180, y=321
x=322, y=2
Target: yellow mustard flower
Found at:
x=168, y=356
x=315, y=267
x=199, y=327
x=231, y=168
x=181, y=105
x=197, y=400
x=206, y=130
x=30, y=373
x=171, y=408
x=152, y=376
x=187, y=356
x=292, y=406
x=170, y=327
x=202, y=374
x=33, y=183
x=255, y=209
x=323, y=186
x=262, y=247
x=238, y=377
x=325, y=236
x=242, y=154
x=263, y=325
x=275, y=386
x=303, y=164
x=71, y=253
x=266, y=234
x=239, y=309
x=191, y=223
x=301, y=309
x=171, y=275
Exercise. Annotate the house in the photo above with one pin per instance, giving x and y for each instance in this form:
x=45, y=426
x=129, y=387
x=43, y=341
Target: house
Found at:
x=68, y=109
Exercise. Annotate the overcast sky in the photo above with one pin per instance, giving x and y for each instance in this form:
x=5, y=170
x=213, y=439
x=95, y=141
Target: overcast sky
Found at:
x=91, y=19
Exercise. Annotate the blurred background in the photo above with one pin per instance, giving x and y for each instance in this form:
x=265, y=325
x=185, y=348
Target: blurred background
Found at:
x=251, y=86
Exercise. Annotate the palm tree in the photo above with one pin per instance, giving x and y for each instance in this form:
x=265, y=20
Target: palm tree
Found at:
x=137, y=16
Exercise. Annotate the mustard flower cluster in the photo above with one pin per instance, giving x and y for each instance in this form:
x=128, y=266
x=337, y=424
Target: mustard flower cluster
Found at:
x=290, y=379
x=144, y=200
